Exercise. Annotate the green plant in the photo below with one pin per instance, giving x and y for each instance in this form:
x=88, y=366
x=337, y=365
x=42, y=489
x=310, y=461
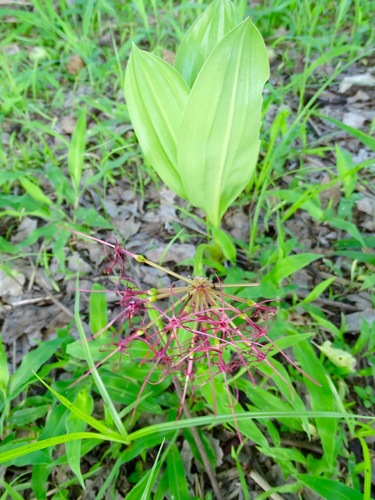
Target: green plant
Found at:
x=198, y=122
x=316, y=280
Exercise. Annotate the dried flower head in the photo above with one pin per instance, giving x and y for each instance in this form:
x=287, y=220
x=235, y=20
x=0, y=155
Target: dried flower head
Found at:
x=193, y=328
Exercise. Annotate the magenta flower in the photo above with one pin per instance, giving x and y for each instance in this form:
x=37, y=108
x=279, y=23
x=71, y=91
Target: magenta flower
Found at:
x=200, y=326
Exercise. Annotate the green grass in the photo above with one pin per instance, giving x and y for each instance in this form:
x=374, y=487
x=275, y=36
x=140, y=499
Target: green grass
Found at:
x=59, y=179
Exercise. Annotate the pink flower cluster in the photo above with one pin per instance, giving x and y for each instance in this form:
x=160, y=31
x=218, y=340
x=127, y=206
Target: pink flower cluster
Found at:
x=193, y=329
x=192, y=324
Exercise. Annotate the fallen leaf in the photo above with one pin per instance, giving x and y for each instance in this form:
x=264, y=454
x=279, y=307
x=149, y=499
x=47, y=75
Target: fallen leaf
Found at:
x=126, y=228
x=360, y=300
x=75, y=64
x=366, y=79
x=353, y=119
x=369, y=226
x=354, y=321
x=366, y=205
x=30, y=320
x=68, y=124
x=155, y=278
x=11, y=49
x=330, y=196
x=11, y=283
x=238, y=224
x=24, y=230
x=77, y=264
x=356, y=119
x=359, y=96
x=175, y=253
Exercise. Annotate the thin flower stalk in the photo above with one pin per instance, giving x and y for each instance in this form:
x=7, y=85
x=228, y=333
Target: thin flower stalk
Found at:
x=201, y=332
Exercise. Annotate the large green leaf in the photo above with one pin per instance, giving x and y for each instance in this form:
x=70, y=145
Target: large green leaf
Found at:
x=289, y=265
x=156, y=96
x=218, y=143
x=203, y=36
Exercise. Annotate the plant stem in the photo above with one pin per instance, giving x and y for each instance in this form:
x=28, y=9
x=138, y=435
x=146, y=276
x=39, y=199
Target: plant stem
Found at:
x=198, y=442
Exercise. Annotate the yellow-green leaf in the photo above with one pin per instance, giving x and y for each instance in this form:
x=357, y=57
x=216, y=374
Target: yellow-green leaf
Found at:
x=340, y=358
x=156, y=96
x=76, y=152
x=218, y=143
x=34, y=191
x=203, y=36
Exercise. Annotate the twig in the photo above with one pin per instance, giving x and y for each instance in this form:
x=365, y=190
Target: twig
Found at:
x=302, y=444
x=327, y=302
x=34, y=300
x=257, y=478
x=199, y=443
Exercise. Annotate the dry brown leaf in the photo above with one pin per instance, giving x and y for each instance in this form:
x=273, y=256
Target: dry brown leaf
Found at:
x=75, y=64
x=68, y=124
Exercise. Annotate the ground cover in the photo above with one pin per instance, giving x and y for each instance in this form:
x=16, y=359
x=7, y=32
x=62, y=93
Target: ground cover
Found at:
x=303, y=229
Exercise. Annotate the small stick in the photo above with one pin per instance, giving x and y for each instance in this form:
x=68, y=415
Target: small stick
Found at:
x=257, y=478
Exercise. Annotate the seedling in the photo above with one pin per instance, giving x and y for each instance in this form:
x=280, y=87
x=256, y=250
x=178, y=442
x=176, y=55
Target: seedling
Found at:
x=198, y=121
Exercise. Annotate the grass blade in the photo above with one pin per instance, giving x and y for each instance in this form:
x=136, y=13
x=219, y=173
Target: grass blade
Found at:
x=178, y=487
x=93, y=370
x=330, y=489
x=82, y=415
x=47, y=443
x=321, y=397
x=150, y=482
x=75, y=424
x=76, y=151
x=366, y=139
